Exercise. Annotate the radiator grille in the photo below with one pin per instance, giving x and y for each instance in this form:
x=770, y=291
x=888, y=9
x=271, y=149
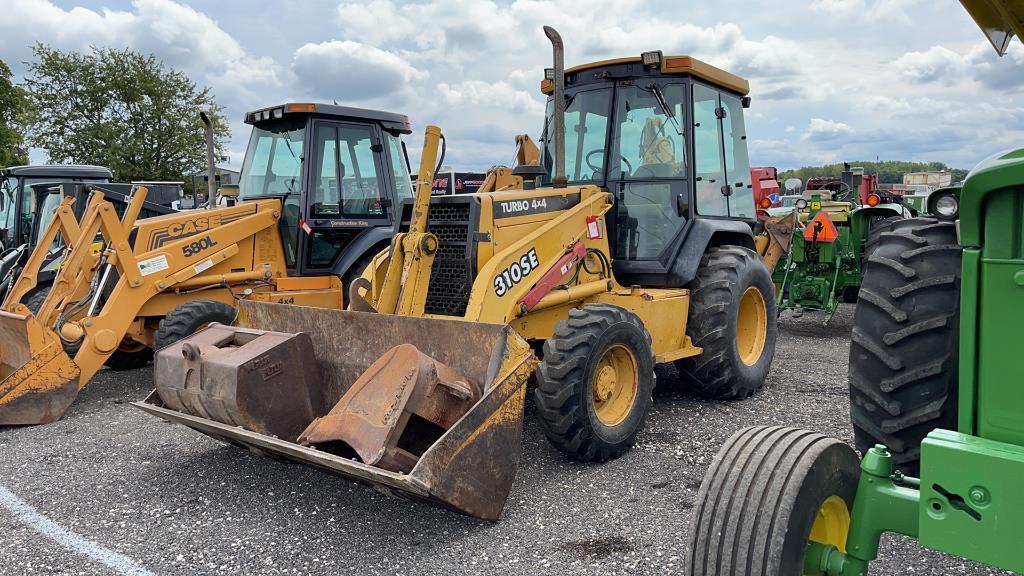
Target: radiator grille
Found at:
x=453, y=221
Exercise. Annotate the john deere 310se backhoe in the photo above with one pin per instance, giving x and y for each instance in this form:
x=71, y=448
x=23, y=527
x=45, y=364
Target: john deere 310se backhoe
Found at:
x=639, y=250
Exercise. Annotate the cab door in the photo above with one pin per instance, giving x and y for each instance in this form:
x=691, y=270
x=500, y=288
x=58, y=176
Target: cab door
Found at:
x=722, y=167
x=347, y=195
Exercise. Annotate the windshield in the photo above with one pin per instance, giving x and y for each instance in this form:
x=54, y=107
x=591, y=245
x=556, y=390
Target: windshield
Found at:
x=586, y=135
x=649, y=141
x=47, y=211
x=273, y=160
x=7, y=185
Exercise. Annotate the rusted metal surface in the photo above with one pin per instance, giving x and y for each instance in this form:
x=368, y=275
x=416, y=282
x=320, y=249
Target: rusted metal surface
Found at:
x=39, y=380
x=403, y=391
x=265, y=382
x=470, y=468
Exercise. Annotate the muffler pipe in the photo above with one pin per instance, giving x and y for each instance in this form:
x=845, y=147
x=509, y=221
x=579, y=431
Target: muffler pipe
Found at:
x=558, y=112
x=211, y=169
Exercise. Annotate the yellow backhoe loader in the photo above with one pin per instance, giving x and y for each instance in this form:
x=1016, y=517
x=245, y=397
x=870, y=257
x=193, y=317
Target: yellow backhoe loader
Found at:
x=636, y=249
x=300, y=232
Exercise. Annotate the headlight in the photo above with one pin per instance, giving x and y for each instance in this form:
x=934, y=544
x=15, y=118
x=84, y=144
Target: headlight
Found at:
x=945, y=206
x=801, y=203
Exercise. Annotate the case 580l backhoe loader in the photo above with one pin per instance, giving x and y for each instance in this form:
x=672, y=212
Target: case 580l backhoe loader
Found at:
x=639, y=251
x=302, y=230
x=935, y=394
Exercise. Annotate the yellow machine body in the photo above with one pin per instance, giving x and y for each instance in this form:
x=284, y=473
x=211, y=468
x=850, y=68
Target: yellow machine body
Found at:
x=110, y=299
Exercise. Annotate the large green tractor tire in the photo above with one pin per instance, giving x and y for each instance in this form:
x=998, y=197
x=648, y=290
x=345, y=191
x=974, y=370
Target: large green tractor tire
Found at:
x=594, y=384
x=732, y=317
x=903, y=356
x=768, y=492
x=878, y=227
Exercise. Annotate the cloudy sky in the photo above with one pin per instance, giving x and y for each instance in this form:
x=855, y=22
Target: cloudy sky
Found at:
x=831, y=80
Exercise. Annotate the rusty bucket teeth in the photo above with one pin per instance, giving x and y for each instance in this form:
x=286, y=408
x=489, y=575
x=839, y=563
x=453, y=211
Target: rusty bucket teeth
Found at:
x=40, y=381
x=425, y=408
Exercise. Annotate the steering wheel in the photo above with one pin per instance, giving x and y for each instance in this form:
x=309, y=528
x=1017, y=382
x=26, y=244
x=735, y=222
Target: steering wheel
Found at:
x=601, y=151
x=591, y=153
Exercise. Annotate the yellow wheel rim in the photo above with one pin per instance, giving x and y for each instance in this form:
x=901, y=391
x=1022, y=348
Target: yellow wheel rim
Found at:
x=832, y=524
x=751, y=326
x=616, y=381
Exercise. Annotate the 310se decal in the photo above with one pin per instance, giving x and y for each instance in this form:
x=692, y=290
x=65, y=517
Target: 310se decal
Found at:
x=515, y=273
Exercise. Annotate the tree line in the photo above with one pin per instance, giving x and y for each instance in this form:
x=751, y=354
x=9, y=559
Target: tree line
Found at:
x=116, y=108
x=888, y=171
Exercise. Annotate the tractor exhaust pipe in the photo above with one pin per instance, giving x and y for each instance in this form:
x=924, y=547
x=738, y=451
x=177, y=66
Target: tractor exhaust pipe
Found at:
x=211, y=168
x=558, y=113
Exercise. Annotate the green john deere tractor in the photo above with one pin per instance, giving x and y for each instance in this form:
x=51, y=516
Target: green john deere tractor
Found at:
x=936, y=400
x=839, y=220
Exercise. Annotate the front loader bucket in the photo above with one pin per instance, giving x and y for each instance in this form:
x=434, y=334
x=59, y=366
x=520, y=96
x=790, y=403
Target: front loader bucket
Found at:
x=38, y=381
x=426, y=408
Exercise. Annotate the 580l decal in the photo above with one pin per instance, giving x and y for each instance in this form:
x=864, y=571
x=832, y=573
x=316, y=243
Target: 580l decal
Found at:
x=515, y=273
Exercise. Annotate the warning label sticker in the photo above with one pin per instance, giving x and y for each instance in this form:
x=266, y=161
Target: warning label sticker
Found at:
x=153, y=265
x=203, y=266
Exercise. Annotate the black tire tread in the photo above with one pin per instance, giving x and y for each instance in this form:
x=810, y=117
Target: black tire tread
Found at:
x=187, y=317
x=903, y=354
x=561, y=413
x=712, y=374
x=741, y=517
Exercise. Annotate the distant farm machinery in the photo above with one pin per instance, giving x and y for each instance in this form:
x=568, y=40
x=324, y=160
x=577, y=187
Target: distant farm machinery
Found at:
x=837, y=221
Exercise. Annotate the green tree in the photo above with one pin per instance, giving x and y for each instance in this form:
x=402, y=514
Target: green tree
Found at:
x=120, y=109
x=13, y=106
x=888, y=171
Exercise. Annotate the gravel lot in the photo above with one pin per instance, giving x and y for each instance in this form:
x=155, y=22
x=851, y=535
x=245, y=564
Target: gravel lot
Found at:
x=177, y=502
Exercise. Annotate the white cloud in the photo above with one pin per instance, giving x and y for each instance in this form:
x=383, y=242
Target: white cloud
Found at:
x=830, y=79
x=352, y=71
x=822, y=129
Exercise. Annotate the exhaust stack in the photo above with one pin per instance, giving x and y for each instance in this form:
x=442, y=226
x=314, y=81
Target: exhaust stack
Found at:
x=211, y=169
x=558, y=113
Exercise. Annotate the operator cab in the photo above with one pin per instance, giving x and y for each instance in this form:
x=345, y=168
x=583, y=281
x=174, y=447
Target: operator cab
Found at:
x=341, y=194
x=19, y=198
x=665, y=136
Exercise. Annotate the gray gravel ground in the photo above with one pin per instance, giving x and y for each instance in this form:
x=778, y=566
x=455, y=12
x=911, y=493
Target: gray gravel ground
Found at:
x=177, y=502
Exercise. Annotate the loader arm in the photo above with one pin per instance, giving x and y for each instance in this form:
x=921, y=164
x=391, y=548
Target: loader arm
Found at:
x=39, y=378
x=497, y=298
x=64, y=226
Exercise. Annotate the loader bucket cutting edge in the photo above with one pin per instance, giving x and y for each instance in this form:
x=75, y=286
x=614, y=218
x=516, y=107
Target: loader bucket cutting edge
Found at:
x=40, y=380
x=469, y=468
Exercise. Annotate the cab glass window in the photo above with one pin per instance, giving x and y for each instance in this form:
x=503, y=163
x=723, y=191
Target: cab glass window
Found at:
x=399, y=168
x=346, y=184
x=649, y=141
x=707, y=149
x=586, y=135
x=273, y=160
x=737, y=162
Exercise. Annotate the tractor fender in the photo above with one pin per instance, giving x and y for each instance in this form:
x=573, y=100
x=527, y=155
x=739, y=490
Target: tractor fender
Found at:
x=370, y=242
x=860, y=219
x=705, y=233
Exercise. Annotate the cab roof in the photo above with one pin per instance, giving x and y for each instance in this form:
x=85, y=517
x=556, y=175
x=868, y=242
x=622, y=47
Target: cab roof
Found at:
x=1000, y=20
x=666, y=65
x=59, y=171
x=389, y=120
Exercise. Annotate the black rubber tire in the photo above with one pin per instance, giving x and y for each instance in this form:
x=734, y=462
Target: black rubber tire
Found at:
x=35, y=298
x=123, y=360
x=904, y=351
x=355, y=272
x=758, y=501
x=564, y=396
x=878, y=227
x=189, y=317
x=724, y=275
